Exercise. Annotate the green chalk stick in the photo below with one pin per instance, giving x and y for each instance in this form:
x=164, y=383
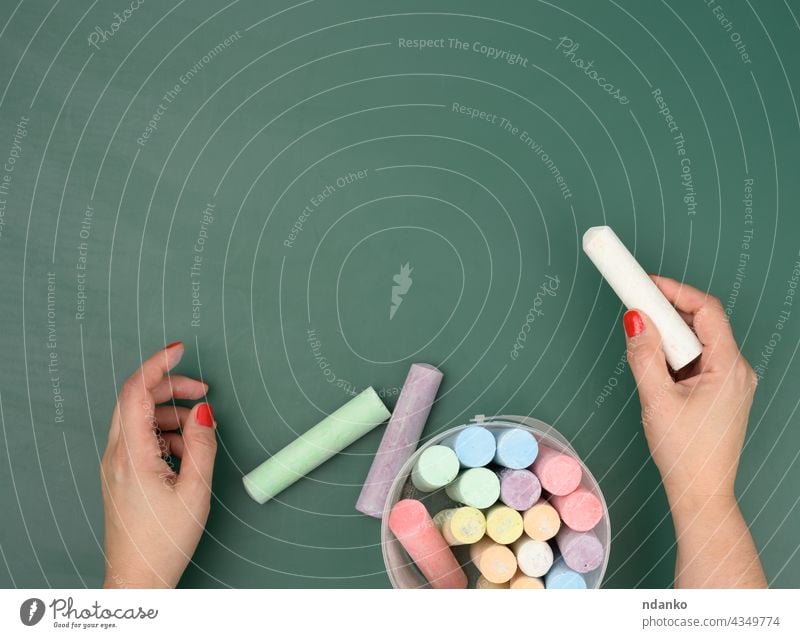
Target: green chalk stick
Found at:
x=478, y=487
x=435, y=468
x=331, y=435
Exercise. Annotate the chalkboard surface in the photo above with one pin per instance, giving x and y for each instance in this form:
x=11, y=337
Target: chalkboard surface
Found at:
x=313, y=195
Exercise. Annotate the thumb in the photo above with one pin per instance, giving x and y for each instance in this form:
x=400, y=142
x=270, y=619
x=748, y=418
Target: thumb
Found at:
x=645, y=356
x=199, y=449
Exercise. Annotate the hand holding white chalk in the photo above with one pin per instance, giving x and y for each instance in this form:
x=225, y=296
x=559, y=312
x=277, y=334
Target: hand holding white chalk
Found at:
x=636, y=290
x=695, y=428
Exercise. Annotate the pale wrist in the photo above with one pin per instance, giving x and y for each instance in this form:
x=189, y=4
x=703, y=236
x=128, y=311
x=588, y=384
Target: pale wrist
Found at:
x=124, y=580
x=694, y=501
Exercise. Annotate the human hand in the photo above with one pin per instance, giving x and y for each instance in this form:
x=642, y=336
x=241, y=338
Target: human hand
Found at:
x=694, y=423
x=154, y=518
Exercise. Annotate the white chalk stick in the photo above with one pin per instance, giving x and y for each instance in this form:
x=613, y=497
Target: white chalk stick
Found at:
x=636, y=290
x=534, y=557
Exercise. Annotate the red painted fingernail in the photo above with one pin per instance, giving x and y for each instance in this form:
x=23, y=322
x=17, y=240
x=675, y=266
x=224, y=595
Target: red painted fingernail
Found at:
x=173, y=344
x=633, y=322
x=205, y=416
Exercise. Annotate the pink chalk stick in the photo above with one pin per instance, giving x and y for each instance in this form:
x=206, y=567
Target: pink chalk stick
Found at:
x=558, y=473
x=581, y=510
x=400, y=437
x=417, y=533
x=582, y=551
x=519, y=489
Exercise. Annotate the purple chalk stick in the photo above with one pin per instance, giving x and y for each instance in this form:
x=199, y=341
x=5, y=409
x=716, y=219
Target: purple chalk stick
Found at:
x=401, y=436
x=519, y=489
x=582, y=551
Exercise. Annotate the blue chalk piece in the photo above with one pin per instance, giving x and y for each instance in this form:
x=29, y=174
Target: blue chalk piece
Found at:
x=516, y=448
x=474, y=446
x=562, y=577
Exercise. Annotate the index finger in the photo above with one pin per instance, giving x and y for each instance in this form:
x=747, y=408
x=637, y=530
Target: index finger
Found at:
x=707, y=317
x=136, y=408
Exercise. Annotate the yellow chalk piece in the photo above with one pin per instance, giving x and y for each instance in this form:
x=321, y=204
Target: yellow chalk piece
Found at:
x=541, y=521
x=461, y=525
x=521, y=581
x=482, y=583
x=503, y=524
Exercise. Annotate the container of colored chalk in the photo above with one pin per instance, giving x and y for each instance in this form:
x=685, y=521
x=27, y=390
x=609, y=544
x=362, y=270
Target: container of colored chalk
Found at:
x=555, y=489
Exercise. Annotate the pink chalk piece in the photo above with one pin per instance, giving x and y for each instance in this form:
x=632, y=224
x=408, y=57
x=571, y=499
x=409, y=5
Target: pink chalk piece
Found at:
x=558, y=473
x=519, y=489
x=581, y=510
x=582, y=551
x=417, y=533
x=400, y=437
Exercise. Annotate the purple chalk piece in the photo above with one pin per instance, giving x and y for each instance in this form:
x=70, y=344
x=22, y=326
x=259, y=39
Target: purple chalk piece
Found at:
x=401, y=436
x=519, y=489
x=582, y=551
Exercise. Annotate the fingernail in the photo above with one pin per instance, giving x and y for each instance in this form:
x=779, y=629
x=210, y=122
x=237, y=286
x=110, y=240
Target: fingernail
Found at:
x=633, y=322
x=205, y=416
x=173, y=344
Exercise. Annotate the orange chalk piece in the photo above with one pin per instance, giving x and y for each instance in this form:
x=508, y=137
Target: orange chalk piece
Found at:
x=558, y=473
x=495, y=562
x=581, y=510
x=482, y=583
x=521, y=581
x=541, y=521
x=414, y=528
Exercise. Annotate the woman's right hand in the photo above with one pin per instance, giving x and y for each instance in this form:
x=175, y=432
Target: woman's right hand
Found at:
x=695, y=426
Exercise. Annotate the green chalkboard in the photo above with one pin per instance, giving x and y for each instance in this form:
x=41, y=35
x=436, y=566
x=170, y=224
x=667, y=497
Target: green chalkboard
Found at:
x=252, y=177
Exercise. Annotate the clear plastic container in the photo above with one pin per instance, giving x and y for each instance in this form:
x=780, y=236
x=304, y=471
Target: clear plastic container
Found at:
x=403, y=574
